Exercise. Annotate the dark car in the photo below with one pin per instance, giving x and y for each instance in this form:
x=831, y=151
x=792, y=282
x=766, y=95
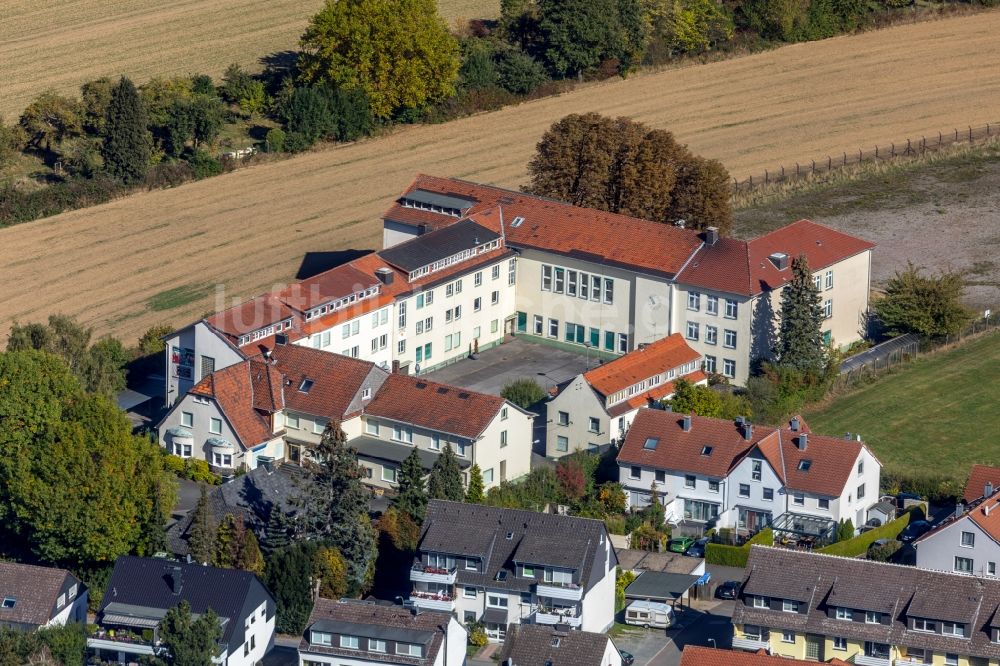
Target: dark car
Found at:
x=627, y=658
x=914, y=531
x=697, y=549
x=728, y=590
x=902, y=497
x=679, y=544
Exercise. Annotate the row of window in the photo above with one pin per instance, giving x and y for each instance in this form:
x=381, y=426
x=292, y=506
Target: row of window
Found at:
x=767, y=494
x=651, y=382
x=871, y=648
x=267, y=331
x=579, y=284
x=452, y=260
x=371, y=644
x=214, y=424
x=332, y=306
x=712, y=305
x=818, y=281
x=404, y=435
x=967, y=565
x=712, y=335
x=711, y=365
x=578, y=334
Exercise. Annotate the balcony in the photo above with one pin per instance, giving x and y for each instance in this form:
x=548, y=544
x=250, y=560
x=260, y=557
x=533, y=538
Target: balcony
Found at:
x=424, y=574
x=749, y=643
x=566, y=591
x=120, y=640
x=903, y=661
x=567, y=616
x=863, y=660
x=433, y=600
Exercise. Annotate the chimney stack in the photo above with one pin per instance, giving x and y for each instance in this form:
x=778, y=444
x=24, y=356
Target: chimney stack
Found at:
x=686, y=423
x=711, y=236
x=175, y=580
x=747, y=430
x=803, y=441
x=384, y=275
x=395, y=367
x=988, y=490
x=795, y=424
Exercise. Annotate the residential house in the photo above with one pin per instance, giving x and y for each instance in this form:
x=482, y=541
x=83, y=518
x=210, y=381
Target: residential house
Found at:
x=696, y=655
x=968, y=543
x=350, y=632
x=713, y=472
x=983, y=480
x=464, y=265
x=597, y=407
x=412, y=412
x=508, y=566
x=541, y=645
x=32, y=597
x=142, y=589
x=276, y=406
x=811, y=606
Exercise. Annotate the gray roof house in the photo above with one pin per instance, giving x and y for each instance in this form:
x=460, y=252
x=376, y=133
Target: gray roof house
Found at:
x=379, y=632
x=538, y=645
x=142, y=589
x=507, y=566
x=32, y=597
x=864, y=612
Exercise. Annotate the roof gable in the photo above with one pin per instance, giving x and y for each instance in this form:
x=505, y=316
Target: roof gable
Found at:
x=665, y=354
x=979, y=477
x=34, y=590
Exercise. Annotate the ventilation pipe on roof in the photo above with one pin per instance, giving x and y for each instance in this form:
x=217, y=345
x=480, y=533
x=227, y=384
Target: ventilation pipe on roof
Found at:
x=803, y=441
x=988, y=489
x=267, y=353
x=686, y=423
x=747, y=430
x=711, y=236
x=795, y=424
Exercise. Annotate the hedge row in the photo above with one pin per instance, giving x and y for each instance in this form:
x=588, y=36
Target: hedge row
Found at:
x=736, y=556
x=859, y=544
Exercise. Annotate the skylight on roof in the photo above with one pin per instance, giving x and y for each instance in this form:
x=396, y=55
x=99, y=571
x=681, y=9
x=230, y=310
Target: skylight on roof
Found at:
x=804, y=465
x=651, y=443
x=518, y=221
x=9, y=602
x=555, y=641
x=706, y=450
x=306, y=385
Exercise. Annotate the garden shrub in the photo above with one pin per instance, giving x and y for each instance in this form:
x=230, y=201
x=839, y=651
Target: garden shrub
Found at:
x=859, y=544
x=204, y=165
x=275, y=140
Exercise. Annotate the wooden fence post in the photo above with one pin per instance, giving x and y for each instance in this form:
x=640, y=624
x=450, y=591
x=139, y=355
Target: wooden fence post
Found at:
x=970, y=133
x=907, y=146
x=876, y=152
x=956, y=135
x=845, y=159
x=893, y=153
x=814, y=166
x=796, y=169
x=829, y=163
x=782, y=172
x=766, y=177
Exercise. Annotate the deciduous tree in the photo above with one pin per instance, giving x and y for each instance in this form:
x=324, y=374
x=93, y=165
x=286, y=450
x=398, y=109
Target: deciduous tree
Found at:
x=96, y=96
x=572, y=482
x=51, y=118
x=578, y=35
x=127, y=142
x=523, y=392
x=926, y=305
x=330, y=569
x=445, y=481
x=800, y=335
x=399, y=52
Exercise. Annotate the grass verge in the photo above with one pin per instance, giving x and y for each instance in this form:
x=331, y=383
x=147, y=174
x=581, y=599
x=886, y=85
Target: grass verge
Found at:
x=177, y=297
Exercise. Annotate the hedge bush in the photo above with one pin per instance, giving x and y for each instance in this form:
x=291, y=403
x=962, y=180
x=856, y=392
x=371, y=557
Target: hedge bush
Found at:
x=736, y=556
x=859, y=544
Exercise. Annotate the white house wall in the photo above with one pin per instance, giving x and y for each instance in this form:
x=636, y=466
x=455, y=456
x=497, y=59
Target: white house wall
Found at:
x=743, y=474
x=741, y=353
x=203, y=342
x=939, y=550
x=262, y=631
x=359, y=337
x=515, y=457
x=202, y=410
x=74, y=612
x=599, y=601
x=580, y=401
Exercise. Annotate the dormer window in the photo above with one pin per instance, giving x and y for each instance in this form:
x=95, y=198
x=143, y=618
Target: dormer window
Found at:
x=320, y=638
x=953, y=629
x=789, y=606
x=845, y=614
x=760, y=602
x=873, y=617
x=929, y=626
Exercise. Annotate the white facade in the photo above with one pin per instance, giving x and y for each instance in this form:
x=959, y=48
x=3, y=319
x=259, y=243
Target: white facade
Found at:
x=74, y=608
x=451, y=652
x=191, y=354
x=258, y=638
x=368, y=336
x=717, y=325
x=960, y=547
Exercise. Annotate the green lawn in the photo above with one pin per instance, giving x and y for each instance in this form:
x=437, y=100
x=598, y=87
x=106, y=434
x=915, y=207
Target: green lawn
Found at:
x=935, y=417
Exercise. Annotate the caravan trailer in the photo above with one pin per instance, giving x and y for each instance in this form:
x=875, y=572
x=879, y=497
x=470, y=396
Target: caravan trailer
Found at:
x=649, y=614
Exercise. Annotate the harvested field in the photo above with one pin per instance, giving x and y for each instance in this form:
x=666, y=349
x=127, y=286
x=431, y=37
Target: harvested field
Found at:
x=249, y=230
x=63, y=43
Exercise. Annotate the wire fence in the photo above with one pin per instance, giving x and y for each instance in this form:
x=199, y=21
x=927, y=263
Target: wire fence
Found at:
x=912, y=147
x=879, y=364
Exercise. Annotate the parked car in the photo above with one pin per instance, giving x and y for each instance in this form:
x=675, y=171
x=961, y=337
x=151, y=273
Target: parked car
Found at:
x=728, y=590
x=902, y=497
x=697, y=549
x=627, y=658
x=679, y=544
x=649, y=614
x=914, y=531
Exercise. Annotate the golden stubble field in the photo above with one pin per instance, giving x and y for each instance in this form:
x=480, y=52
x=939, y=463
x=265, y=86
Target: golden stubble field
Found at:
x=249, y=230
x=63, y=43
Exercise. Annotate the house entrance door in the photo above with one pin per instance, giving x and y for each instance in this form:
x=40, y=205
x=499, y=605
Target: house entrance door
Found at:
x=814, y=647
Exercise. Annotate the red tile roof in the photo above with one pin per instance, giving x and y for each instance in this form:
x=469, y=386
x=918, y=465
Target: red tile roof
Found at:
x=336, y=379
x=682, y=451
x=435, y=406
x=654, y=395
x=978, y=478
x=831, y=465
x=821, y=245
x=232, y=388
x=664, y=354
x=329, y=285
x=724, y=266
x=251, y=315
x=987, y=516
x=695, y=655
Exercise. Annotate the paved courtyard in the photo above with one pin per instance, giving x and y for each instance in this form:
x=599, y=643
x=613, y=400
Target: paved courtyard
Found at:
x=545, y=363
